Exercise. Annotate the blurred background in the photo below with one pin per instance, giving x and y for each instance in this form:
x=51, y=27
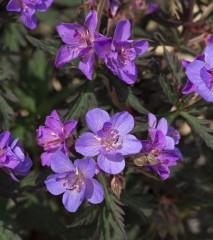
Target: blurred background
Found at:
x=31, y=87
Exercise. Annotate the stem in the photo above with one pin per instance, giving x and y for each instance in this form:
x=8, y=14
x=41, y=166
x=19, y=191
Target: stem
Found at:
x=100, y=9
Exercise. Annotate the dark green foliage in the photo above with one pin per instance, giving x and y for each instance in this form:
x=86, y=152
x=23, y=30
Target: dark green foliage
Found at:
x=31, y=87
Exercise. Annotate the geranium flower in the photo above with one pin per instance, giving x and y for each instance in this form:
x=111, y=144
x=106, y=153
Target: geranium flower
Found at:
x=12, y=156
x=110, y=139
x=75, y=181
x=28, y=8
x=119, y=53
x=54, y=136
x=78, y=41
x=200, y=73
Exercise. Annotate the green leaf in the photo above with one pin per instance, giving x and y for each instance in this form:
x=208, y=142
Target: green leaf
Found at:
x=174, y=64
x=82, y=102
x=7, y=234
x=168, y=91
x=199, y=126
x=113, y=214
x=49, y=46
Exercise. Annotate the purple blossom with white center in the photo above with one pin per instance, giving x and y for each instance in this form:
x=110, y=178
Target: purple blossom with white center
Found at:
x=54, y=136
x=78, y=41
x=75, y=181
x=12, y=156
x=109, y=139
x=119, y=53
x=200, y=73
x=160, y=153
x=28, y=8
x=172, y=136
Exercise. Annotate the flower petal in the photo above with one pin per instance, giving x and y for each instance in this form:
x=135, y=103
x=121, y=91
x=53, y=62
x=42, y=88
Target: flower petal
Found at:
x=96, y=118
x=88, y=145
x=169, y=143
x=140, y=47
x=46, y=158
x=103, y=46
x=44, y=5
x=94, y=191
x=86, y=167
x=91, y=22
x=5, y=139
x=163, y=126
x=65, y=54
x=61, y=163
x=29, y=20
x=152, y=120
x=130, y=145
x=112, y=164
x=70, y=126
x=128, y=73
x=123, y=122
x=72, y=199
x=14, y=5
x=54, y=186
x=66, y=31
x=86, y=65
x=122, y=30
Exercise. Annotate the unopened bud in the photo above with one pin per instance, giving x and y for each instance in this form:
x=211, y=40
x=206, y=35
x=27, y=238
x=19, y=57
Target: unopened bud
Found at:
x=117, y=184
x=140, y=160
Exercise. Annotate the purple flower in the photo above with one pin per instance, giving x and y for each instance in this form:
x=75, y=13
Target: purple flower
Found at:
x=12, y=156
x=110, y=139
x=119, y=53
x=160, y=153
x=75, y=181
x=200, y=73
x=54, y=136
x=28, y=8
x=78, y=41
x=148, y=7
x=171, y=135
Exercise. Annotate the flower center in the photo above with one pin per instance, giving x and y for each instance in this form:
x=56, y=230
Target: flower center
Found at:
x=109, y=137
x=72, y=181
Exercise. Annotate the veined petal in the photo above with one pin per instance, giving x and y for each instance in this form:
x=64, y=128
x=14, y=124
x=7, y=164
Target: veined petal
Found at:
x=67, y=30
x=152, y=120
x=96, y=118
x=61, y=163
x=91, y=22
x=54, y=186
x=103, y=46
x=128, y=73
x=70, y=127
x=86, y=65
x=14, y=6
x=65, y=54
x=44, y=5
x=29, y=20
x=86, y=167
x=130, y=145
x=72, y=199
x=94, y=191
x=112, y=164
x=163, y=126
x=123, y=122
x=88, y=145
x=140, y=47
x=122, y=30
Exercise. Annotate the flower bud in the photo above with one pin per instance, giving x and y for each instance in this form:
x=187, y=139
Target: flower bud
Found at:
x=117, y=184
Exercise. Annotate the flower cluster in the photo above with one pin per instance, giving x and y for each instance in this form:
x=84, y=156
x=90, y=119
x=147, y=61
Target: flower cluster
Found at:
x=83, y=42
x=160, y=152
x=12, y=157
x=104, y=150
x=200, y=74
x=28, y=8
